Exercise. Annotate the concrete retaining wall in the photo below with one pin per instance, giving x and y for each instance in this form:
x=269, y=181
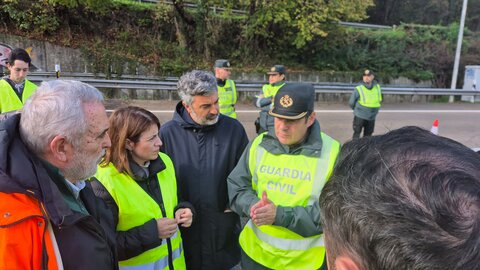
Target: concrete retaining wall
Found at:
x=46, y=55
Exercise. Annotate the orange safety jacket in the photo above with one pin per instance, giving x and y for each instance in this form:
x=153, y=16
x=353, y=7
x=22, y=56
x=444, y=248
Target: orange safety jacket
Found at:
x=25, y=240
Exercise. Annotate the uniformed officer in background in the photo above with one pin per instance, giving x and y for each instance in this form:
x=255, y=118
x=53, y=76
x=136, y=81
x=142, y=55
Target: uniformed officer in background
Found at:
x=365, y=102
x=264, y=101
x=227, y=91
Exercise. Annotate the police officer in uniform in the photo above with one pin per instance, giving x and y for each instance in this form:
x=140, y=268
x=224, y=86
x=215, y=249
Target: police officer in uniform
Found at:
x=365, y=102
x=227, y=91
x=264, y=101
x=15, y=89
x=277, y=182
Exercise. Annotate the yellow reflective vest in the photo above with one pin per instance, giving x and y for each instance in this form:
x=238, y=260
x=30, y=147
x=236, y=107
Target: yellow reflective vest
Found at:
x=227, y=97
x=9, y=100
x=370, y=98
x=136, y=207
x=270, y=90
x=289, y=180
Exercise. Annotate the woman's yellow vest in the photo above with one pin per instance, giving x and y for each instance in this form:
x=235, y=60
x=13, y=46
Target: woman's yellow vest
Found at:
x=370, y=98
x=289, y=180
x=227, y=97
x=136, y=207
x=9, y=100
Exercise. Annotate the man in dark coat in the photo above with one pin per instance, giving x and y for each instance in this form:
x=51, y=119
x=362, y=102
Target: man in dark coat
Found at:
x=50, y=216
x=205, y=146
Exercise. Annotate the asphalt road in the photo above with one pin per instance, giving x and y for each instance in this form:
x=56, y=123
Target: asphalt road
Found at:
x=457, y=121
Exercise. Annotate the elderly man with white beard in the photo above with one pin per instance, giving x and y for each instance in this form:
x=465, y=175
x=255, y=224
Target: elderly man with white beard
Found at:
x=51, y=218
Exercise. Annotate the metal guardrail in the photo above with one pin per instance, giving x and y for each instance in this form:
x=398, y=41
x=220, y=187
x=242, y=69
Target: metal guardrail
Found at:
x=170, y=84
x=87, y=75
x=192, y=5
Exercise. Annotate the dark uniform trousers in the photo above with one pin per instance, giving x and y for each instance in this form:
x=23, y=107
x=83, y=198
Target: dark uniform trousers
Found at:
x=359, y=123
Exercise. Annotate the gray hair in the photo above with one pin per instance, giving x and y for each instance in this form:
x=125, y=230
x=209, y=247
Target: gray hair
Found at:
x=407, y=199
x=56, y=108
x=196, y=83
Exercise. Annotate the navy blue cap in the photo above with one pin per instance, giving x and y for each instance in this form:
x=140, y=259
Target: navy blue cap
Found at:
x=293, y=101
x=368, y=72
x=222, y=63
x=277, y=69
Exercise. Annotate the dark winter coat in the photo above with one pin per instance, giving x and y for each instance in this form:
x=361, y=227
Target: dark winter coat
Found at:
x=203, y=157
x=85, y=241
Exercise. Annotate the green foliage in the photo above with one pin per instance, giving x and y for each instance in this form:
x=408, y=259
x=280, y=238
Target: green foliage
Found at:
x=37, y=17
x=413, y=51
x=98, y=5
x=163, y=41
x=300, y=22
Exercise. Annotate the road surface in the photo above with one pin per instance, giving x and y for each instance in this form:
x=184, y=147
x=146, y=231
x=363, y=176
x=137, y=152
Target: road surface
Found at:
x=458, y=121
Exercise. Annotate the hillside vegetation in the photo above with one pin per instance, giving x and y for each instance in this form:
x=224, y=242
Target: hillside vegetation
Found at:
x=170, y=39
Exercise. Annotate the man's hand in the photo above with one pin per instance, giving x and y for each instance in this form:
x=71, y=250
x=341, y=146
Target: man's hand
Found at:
x=264, y=211
x=166, y=227
x=183, y=217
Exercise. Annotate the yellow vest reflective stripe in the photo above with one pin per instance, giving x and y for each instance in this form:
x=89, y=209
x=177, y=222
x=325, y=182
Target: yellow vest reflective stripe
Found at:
x=9, y=100
x=136, y=207
x=370, y=98
x=162, y=263
x=287, y=244
x=227, y=97
x=290, y=180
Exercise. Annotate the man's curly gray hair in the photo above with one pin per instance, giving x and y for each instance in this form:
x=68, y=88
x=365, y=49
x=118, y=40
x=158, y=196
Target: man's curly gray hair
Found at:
x=196, y=83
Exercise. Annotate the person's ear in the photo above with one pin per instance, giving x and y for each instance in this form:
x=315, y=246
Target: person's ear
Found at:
x=187, y=107
x=311, y=119
x=129, y=145
x=345, y=263
x=61, y=149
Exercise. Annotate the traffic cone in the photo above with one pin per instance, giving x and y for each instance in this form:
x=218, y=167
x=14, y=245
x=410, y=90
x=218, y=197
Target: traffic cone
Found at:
x=434, y=128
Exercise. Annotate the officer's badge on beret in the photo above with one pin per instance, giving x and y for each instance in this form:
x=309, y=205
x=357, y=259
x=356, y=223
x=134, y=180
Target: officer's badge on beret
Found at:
x=222, y=63
x=367, y=72
x=280, y=69
x=293, y=101
x=286, y=101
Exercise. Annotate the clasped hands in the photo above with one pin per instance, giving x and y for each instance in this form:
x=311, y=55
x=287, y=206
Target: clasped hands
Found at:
x=168, y=226
x=263, y=212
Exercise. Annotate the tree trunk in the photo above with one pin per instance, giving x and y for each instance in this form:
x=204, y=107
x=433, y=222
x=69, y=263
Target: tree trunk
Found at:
x=182, y=42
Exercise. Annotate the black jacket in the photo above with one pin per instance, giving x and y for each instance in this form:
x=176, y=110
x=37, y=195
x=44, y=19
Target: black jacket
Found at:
x=85, y=241
x=203, y=157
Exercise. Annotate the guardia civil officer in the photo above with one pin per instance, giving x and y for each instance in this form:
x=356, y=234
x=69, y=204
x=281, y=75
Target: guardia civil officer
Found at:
x=264, y=101
x=227, y=91
x=365, y=102
x=277, y=183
